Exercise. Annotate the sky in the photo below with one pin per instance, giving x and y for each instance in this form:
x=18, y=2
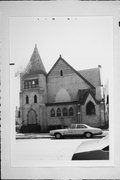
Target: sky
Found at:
x=84, y=42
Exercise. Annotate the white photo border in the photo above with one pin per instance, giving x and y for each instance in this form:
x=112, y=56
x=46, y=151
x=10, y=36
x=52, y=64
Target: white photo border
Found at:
x=74, y=170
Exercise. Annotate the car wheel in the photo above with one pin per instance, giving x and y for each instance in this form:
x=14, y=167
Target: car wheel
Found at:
x=58, y=135
x=88, y=135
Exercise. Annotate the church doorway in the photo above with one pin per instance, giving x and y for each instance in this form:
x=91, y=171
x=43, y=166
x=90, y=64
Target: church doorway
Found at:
x=32, y=117
x=32, y=125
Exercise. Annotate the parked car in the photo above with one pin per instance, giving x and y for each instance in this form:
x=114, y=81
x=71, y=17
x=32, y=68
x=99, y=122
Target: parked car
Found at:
x=76, y=130
x=97, y=149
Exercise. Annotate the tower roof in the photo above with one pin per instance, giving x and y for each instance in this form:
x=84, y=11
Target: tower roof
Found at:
x=35, y=65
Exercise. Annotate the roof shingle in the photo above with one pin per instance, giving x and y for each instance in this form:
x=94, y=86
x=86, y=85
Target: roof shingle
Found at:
x=92, y=75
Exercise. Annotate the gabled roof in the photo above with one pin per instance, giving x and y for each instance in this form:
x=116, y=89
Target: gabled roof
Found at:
x=35, y=65
x=92, y=75
x=83, y=94
x=60, y=58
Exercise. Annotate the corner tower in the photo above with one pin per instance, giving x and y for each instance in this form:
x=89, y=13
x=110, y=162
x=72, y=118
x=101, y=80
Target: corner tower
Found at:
x=33, y=95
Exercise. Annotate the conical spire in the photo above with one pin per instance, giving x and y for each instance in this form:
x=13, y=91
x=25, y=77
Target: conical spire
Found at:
x=35, y=65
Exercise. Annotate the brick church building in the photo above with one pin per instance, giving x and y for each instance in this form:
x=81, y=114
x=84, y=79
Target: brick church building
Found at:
x=60, y=97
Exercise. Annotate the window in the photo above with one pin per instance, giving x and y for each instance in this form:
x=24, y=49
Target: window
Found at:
x=61, y=73
x=73, y=126
x=27, y=100
x=65, y=112
x=52, y=113
x=81, y=126
x=71, y=111
x=35, y=99
x=58, y=112
x=90, y=108
x=30, y=83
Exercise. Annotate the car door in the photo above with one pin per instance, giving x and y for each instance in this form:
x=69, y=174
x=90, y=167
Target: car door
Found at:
x=72, y=130
x=81, y=129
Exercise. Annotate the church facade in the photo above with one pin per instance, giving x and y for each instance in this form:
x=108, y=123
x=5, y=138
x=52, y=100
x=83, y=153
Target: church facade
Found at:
x=60, y=97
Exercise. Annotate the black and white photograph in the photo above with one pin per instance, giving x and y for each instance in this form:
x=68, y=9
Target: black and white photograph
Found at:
x=61, y=87
x=59, y=91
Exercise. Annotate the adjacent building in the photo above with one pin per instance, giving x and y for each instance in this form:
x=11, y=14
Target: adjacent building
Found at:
x=60, y=97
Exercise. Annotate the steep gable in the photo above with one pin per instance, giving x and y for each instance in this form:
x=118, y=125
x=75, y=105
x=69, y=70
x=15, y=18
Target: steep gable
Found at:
x=83, y=94
x=62, y=65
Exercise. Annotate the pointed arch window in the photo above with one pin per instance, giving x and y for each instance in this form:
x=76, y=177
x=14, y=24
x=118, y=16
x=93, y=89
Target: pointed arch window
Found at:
x=58, y=112
x=61, y=73
x=65, y=113
x=52, y=113
x=71, y=111
x=27, y=100
x=35, y=99
x=90, y=108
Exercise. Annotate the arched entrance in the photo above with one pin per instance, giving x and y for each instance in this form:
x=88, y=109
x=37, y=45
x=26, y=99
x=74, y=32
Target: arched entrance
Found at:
x=32, y=117
x=32, y=125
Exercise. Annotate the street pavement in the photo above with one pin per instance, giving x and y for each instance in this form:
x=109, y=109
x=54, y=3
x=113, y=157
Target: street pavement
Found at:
x=34, y=148
x=29, y=150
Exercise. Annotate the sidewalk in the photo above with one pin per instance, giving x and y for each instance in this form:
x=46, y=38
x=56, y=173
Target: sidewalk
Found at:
x=32, y=136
